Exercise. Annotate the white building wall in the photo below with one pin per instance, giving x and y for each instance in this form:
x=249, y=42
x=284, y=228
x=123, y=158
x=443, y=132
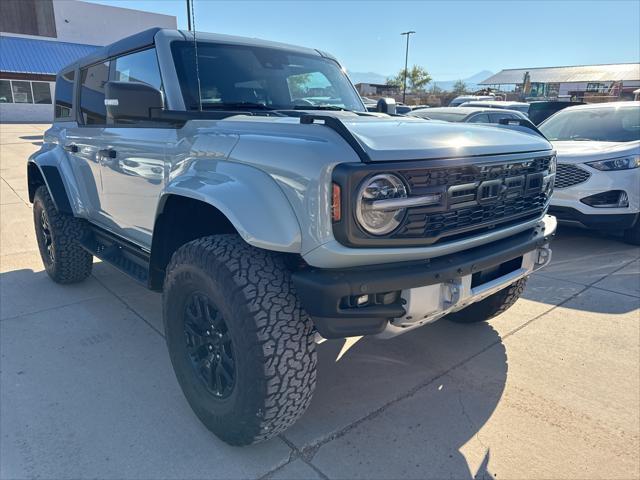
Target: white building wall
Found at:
x=94, y=24
x=28, y=112
x=25, y=112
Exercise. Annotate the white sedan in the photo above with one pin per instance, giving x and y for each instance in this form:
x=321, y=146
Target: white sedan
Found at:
x=598, y=171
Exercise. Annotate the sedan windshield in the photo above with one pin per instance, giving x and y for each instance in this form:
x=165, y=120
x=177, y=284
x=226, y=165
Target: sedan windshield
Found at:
x=248, y=77
x=612, y=124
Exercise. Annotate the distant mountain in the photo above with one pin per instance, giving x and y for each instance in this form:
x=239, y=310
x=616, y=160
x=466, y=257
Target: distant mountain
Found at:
x=471, y=82
x=373, y=77
x=367, y=77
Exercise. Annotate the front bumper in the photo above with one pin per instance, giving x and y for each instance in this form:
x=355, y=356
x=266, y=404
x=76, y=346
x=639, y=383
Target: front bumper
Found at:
x=612, y=221
x=323, y=292
x=599, y=182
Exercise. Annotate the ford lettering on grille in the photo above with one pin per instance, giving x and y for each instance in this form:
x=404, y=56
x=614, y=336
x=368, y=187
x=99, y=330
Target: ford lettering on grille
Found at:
x=477, y=197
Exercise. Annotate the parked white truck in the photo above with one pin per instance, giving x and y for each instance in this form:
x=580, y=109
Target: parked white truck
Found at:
x=246, y=181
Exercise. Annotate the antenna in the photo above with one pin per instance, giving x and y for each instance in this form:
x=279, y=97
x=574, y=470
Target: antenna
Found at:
x=189, y=15
x=192, y=24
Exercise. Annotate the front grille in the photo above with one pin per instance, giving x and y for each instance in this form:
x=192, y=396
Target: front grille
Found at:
x=433, y=177
x=568, y=175
x=479, y=197
x=420, y=224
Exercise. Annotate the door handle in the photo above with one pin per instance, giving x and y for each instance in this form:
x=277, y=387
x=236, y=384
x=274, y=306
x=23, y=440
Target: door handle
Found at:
x=71, y=147
x=108, y=152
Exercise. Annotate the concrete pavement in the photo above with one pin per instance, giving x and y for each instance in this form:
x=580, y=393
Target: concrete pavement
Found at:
x=550, y=389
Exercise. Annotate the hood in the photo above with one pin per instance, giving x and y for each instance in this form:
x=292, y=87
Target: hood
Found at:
x=405, y=138
x=386, y=138
x=589, y=151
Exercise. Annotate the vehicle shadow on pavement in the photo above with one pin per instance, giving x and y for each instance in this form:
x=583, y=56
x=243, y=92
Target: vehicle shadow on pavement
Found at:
x=585, y=258
x=37, y=139
x=412, y=402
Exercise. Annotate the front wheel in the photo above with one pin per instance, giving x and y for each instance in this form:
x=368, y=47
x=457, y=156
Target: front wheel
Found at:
x=491, y=306
x=241, y=345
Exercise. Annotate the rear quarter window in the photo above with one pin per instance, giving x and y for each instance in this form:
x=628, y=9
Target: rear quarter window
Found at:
x=64, y=95
x=92, y=106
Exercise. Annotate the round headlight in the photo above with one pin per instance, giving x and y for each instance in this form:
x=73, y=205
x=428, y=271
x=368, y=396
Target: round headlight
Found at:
x=373, y=215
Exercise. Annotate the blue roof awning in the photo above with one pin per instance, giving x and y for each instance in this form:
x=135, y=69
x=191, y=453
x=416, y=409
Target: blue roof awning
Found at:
x=46, y=57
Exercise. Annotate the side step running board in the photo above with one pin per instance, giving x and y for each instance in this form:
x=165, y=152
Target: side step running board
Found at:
x=122, y=254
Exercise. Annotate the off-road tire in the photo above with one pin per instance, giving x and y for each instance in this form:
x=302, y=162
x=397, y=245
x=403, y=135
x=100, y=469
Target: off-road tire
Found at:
x=632, y=235
x=491, y=306
x=272, y=337
x=68, y=262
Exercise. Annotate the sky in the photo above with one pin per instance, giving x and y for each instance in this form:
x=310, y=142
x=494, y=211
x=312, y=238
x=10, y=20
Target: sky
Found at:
x=453, y=40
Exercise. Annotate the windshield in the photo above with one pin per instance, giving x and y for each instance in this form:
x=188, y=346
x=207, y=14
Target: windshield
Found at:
x=236, y=76
x=446, y=116
x=614, y=124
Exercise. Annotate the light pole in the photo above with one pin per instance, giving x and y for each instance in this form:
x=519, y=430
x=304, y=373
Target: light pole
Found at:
x=406, y=60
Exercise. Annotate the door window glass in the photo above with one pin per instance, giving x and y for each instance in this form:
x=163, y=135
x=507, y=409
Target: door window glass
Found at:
x=92, y=94
x=22, y=92
x=64, y=94
x=41, y=92
x=5, y=92
x=141, y=67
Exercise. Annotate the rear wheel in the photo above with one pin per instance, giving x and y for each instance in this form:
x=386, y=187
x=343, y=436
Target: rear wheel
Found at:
x=59, y=238
x=491, y=306
x=241, y=345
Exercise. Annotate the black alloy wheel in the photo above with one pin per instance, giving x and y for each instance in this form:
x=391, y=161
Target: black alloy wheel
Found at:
x=45, y=231
x=209, y=345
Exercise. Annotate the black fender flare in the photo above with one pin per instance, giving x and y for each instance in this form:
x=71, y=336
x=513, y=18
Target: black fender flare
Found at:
x=49, y=175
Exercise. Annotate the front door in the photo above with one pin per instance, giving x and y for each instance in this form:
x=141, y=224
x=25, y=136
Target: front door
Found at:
x=133, y=160
x=133, y=176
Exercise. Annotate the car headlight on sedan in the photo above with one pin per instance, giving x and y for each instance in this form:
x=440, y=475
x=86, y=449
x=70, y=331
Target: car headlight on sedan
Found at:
x=620, y=163
x=376, y=209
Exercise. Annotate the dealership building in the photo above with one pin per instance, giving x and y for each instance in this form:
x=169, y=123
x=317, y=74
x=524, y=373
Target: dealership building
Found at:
x=39, y=37
x=578, y=82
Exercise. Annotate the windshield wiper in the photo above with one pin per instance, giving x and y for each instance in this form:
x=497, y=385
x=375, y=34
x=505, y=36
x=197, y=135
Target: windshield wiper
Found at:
x=236, y=106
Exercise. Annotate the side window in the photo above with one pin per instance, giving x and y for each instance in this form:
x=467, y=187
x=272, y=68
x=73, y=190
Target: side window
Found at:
x=5, y=92
x=22, y=92
x=41, y=92
x=141, y=67
x=92, y=80
x=64, y=94
x=479, y=118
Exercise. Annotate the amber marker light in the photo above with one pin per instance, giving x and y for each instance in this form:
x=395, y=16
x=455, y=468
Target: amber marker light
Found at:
x=336, y=206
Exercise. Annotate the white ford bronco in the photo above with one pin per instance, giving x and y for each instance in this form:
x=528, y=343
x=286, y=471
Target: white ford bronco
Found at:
x=247, y=182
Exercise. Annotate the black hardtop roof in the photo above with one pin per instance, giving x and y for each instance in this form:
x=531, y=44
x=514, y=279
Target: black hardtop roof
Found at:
x=146, y=38
x=127, y=44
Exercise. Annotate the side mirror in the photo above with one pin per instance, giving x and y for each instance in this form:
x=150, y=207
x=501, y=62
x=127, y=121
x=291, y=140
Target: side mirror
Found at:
x=126, y=101
x=387, y=105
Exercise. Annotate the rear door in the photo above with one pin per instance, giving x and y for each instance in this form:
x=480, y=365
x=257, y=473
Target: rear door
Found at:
x=83, y=139
x=133, y=169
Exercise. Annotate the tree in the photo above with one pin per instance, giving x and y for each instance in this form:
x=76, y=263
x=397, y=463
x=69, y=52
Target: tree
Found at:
x=417, y=79
x=459, y=88
x=435, y=90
